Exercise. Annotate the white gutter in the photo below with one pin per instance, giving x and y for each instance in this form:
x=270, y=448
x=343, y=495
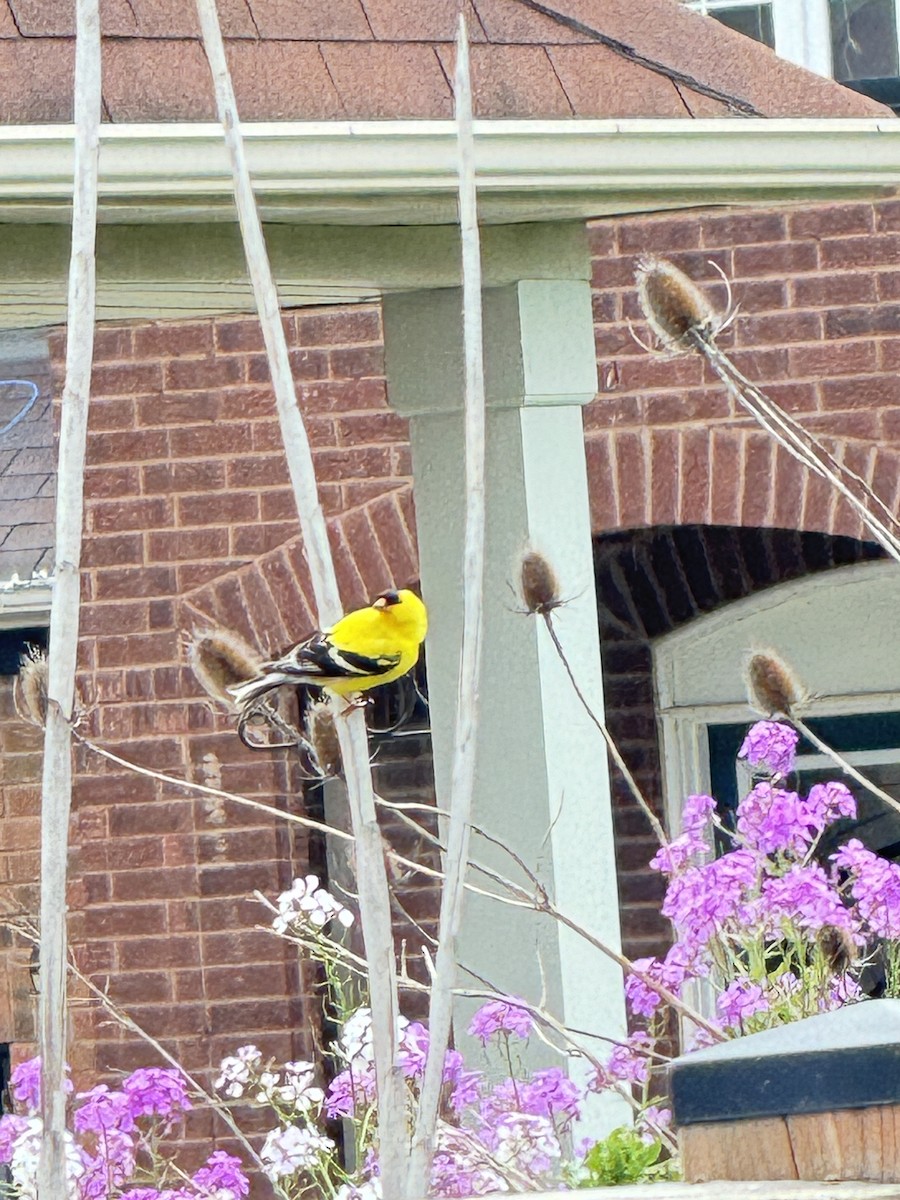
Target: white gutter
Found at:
x=379, y=171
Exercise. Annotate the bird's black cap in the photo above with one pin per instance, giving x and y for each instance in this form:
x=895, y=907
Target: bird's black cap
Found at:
x=386, y=599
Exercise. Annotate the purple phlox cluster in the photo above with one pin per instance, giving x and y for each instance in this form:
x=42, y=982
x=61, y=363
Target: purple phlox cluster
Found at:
x=740, y=1000
x=12, y=1127
x=294, y=1148
x=805, y=897
x=462, y=1166
x=25, y=1084
x=830, y=801
x=306, y=903
x=156, y=1092
x=772, y=821
x=236, y=1070
x=25, y=1153
x=222, y=1177
x=466, y=1084
x=842, y=989
x=110, y=1168
x=412, y=1049
x=551, y=1093
x=527, y=1143
x=681, y=963
x=691, y=843
x=771, y=744
x=701, y=900
x=501, y=1016
x=874, y=885
x=352, y=1088
x=653, y=1121
x=628, y=1062
x=102, y=1110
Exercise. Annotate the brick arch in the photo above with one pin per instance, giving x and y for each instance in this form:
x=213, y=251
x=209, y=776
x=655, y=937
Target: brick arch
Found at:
x=731, y=474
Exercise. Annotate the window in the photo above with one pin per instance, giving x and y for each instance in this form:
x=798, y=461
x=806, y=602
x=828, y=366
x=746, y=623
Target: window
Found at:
x=836, y=630
x=855, y=41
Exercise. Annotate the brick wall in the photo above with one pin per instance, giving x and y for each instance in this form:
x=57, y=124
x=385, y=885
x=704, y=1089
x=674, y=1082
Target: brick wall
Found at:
x=190, y=521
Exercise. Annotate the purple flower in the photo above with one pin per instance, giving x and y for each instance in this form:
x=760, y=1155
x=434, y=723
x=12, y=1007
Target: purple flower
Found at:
x=740, y=1000
x=501, y=1016
x=222, y=1173
x=805, y=897
x=628, y=1063
x=156, y=1092
x=351, y=1088
x=696, y=814
x=874, y=885
x=103, y=1111
x=681, y=962
x=108, y=1170
x=12, y=1127
x=25, y=1084
x=413, y=1050
x=772, y=744
x=692, y=842
x=842, y=989
x=652, y=1121
x=829, y=801
x=771, y=820
x=702, y=899
x=466, y=1084
x=551, y=1093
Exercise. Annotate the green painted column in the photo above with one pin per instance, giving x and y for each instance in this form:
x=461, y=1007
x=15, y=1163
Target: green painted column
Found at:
x=542, y=781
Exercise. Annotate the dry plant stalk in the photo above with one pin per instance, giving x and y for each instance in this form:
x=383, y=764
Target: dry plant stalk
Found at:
x=682, y=319
x=220, y=659
x=30, y=690
x=375, y=904
x=462, y=782
x=56, y=789
x=539, y=589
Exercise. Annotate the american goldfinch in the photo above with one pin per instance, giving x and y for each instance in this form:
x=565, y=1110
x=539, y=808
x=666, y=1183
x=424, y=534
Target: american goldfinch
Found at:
x=365, y=648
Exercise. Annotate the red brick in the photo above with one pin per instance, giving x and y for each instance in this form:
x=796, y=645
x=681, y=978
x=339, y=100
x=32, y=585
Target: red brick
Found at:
x=366, y=463
x=168, y=339
x=794, y=397
x=363, y=545
x=609, y=411
x=142, y=987
x=102, y=620
x=105, y=482
x=117, y=549
x=128, y=446
x=144, y=581
x=265, y=617
x=833, y=358
x=783, y=258
x=871, y=251
x=694, y=474
x=352, y=589
x=188, y=409
x=126, y=379
x=726, y=455
x=188, y=374
x=202, y=476
x=187, y=545
x=124, y=920
x=661, y=234
x=135, y=514
x=888, y=354
x=663, y=477
x=761, y=295
x=831, y=220
x=153, y=884
x=818, y=504
x=221, y=509
x=698, y=404
x=339, y=327
x=285, y=589
x=366, y=428
x=604, y=505
x=357, y=362
x=113, y=343
x=887, y=216
x=257, y=470
x=741, y=228
x=629, y=454
x=305, y=364
x=252, y=541
x=394, y=540
x=788, y=478
x=341, y=395
x=789, y=326
x=138, y=648
x=825, y=291
x=865, y=391
x=105, y=414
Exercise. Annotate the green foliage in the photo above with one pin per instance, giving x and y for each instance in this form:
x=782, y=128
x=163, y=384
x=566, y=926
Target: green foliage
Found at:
x=624, y=1157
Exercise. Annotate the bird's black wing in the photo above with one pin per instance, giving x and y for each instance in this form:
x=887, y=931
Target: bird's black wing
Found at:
x=319, y=657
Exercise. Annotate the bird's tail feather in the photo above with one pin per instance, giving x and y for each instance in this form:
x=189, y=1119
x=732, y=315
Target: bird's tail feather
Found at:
x=244, y=694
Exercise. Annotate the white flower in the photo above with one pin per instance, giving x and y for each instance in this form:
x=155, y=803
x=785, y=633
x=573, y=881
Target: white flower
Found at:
x=235, y=1071
x=526, y=1142
x=355, y=1042
x=308, y=904
x=286, y=1151
x=368, y=1190
x=26, y=1153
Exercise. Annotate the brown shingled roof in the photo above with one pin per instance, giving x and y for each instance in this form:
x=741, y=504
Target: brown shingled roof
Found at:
x=391, y=59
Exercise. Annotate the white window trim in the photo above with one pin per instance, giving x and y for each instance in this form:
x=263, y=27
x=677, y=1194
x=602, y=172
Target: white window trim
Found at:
x=859, y=672
x=25, y=603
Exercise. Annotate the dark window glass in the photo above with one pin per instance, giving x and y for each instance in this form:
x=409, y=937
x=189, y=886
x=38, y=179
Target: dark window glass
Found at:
x=864, y=39
x=14, y=643
x=755, y=22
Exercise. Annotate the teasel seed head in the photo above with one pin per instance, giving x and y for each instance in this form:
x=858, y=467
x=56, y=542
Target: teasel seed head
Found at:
x=30, y=695
x=538, y=584
x=772, y=687
x=221, y=659
x=321, y=733
x=673, y=305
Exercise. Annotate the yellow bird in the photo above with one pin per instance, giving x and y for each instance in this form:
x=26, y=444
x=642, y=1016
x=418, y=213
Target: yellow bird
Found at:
x=365, y=648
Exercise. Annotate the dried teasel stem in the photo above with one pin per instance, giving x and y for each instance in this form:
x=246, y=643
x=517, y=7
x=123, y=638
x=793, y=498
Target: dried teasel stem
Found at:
x=322, y=736
x=673, y=305
x=540, y=592
x=30, y=694
x=773, y=689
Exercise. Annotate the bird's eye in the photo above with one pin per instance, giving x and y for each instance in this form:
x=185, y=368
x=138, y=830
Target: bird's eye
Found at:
x=386, y=599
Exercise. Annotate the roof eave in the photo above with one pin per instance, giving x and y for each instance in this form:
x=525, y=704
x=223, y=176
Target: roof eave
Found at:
x=403, y=172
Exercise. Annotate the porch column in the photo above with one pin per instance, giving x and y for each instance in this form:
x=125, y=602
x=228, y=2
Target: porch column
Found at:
x=542, y=783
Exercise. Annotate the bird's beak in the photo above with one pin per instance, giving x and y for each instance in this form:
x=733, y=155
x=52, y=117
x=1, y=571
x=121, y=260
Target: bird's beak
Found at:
x=380, y=602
